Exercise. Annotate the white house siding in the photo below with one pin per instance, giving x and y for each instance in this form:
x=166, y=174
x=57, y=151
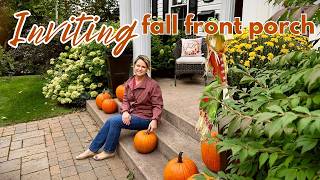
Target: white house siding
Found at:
x=215, y=5
x=202, y=6
x=257, y=10
x=160, y=8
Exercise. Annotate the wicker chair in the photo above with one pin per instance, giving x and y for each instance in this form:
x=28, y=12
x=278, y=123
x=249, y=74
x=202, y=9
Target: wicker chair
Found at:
x=189, y=65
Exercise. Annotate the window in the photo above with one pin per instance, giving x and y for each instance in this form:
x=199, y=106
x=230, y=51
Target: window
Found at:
x=154, y=8
x=165, y=8
x=177, y=2
x=182, y=13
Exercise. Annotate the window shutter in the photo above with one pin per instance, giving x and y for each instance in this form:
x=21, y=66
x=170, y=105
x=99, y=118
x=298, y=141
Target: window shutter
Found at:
x=193, y=8
x=165, y=8
x=155, y=8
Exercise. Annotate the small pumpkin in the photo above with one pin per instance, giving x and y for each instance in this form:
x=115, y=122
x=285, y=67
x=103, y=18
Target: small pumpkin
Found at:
x=145, y=142
x=210, y=155
x=179, y=168
x=120, y=92
x=109, y=106
x=101, y=97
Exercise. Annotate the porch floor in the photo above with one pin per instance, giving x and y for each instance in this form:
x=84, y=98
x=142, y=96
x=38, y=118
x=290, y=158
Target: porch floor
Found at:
x=183, y=99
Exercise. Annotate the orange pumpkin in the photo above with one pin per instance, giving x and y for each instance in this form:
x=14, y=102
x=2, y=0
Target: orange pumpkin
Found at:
x=120, y=92
x=109, y=106
x=180, y=168
x=210, y=155
x=101, y=97
x=145, y=142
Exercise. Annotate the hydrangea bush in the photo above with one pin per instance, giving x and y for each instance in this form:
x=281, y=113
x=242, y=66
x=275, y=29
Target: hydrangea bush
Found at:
x=257, y=52
x=78, y=74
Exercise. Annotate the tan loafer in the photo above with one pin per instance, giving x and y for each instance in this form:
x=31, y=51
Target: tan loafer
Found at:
x=103, y=155
x=85, y=155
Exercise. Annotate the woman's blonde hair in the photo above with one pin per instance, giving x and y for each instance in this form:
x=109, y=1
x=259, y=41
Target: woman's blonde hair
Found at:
x=144, y=58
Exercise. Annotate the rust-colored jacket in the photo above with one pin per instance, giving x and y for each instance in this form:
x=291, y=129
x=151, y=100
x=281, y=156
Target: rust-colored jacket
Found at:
x=143, y=100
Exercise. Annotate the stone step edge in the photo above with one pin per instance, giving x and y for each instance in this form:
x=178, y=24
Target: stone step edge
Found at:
x=124, y=152
x=165, y=146
x=179, y=122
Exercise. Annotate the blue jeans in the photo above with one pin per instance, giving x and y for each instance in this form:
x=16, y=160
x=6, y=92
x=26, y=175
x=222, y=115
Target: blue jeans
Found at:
x=110, y=132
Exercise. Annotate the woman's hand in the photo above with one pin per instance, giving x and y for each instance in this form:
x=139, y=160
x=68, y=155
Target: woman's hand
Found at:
x=152, y=126
x=126, y=118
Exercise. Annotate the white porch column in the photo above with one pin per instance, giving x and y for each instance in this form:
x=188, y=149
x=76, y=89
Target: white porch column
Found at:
x=125, y=12
x=142, y=44
x=228, y=7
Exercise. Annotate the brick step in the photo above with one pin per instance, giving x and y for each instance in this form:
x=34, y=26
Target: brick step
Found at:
x=148, y=166
x=185, y=125
x=171, y=141
x=145, y=166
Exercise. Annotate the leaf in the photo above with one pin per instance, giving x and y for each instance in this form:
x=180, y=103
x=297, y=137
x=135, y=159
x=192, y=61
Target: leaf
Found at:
x=208, y=172
x=255, y=90
x=295, y=77
x=295, y=102
x=306, y=142
x=316, y=99
x=316, y=124
x=310, y=173
x=301, y=110
x=245, y=123
x=275, y=108
x=255, y=105
x=288, y=118
x=275, y=126
x=262, y=159
x=235, y=149
x=243, y=154
x=225, y=120
x=315, y=113
x=234, y=126
x=237, y=70
x=252, y=152
x=199, y=177
x=246, y=80
x=313, y=79
x=301, y=175
x=272, y=159
x=303, y=123
x=288, y=160
x=262, y=117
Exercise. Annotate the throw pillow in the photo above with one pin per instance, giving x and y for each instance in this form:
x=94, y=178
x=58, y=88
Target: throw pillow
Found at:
x=191, y=47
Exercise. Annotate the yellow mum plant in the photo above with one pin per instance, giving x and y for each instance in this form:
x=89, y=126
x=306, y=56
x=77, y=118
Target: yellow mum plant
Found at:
x=255, y=53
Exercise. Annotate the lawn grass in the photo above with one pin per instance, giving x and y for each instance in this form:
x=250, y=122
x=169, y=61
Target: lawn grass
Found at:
x=21, y=100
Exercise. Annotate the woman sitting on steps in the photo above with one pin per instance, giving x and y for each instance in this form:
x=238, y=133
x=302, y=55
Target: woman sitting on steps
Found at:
x=141, y=109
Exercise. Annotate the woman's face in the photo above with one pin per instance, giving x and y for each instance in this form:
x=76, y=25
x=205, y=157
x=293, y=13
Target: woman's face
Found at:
x=140, y=68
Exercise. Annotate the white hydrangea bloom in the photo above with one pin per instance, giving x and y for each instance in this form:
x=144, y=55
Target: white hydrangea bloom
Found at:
x=93, y=86
x=93, y=93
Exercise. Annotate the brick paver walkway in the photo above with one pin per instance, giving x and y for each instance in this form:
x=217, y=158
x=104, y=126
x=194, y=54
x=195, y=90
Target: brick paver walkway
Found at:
x=46, y=149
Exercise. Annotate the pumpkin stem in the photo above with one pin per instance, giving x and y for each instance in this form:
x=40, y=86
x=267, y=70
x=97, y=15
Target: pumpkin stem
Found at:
x=180, y=157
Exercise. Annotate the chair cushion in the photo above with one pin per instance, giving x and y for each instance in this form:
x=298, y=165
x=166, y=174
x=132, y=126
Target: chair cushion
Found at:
x=191, y=47
x=191, y=60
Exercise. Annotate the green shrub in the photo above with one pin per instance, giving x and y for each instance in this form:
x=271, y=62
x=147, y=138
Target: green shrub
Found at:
x=162, y=48
x=272, y=127
x=78, y=74
x=31, y=59
x=6, y=62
